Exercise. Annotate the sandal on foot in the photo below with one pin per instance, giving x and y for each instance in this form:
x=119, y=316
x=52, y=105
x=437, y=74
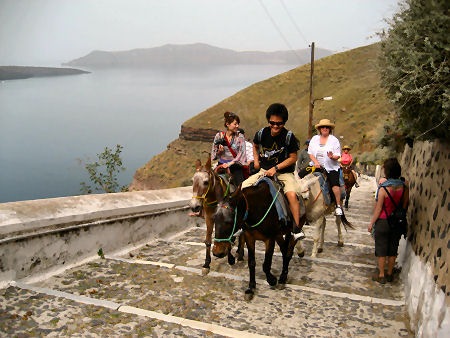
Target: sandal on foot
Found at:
x=381, y=280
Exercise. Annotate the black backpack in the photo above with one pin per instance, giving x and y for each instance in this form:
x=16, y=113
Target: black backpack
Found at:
x=397, y=219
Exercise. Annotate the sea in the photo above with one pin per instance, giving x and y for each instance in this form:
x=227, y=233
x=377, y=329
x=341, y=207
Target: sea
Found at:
x=50, y=127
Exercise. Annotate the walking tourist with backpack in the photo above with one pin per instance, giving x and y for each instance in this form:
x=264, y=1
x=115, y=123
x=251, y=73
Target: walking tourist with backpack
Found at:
x=388, y=221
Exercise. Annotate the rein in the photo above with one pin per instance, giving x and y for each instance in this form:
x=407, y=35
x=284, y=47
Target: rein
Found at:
x=265, y=215
x=245, y=217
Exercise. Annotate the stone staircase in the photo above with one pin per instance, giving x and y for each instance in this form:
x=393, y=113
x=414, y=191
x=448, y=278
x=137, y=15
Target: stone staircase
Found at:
x=157, y=290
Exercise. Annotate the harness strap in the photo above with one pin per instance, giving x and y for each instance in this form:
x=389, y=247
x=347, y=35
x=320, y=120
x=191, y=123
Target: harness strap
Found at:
x=232, y=232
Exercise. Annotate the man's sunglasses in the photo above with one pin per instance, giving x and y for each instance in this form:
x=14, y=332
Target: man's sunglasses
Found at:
x=273, y=123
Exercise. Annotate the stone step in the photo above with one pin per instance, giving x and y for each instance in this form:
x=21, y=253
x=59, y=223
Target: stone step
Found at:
x=158, y=290
x=315, y=300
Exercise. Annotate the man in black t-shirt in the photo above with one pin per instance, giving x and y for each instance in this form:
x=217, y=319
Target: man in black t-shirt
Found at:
x=275, y=152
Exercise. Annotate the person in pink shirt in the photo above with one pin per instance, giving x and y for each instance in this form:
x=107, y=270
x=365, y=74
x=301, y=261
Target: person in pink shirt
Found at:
x=347, y=161
x=386, y=237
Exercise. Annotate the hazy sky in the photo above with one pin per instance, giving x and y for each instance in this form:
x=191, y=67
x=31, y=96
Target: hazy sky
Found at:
x=49, y=32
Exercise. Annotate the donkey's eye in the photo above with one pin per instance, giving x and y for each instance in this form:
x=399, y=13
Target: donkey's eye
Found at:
x=205, y=183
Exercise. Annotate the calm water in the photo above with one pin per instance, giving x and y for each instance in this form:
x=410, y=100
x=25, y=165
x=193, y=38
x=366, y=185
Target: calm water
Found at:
x=47, y=125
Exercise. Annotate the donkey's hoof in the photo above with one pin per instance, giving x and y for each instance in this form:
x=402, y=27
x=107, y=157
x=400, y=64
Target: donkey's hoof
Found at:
x=249, y=294
x=319, y=250
x=231, y=260
x=340, y=244
x=281, y=286
x=205, y=271
x=301, y=254
x=272, y=280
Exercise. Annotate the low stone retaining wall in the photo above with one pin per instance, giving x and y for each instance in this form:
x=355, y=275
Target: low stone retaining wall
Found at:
x=43, y=235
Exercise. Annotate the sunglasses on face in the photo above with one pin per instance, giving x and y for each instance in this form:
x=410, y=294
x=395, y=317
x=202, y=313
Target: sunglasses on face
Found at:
x=273, y=123
x=325, y=127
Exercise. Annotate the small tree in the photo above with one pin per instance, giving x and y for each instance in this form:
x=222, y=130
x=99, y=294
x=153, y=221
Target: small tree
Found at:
x=103, y=173
x=415, y=68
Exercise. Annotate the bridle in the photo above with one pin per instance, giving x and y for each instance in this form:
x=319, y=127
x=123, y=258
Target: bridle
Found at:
x=211, y=183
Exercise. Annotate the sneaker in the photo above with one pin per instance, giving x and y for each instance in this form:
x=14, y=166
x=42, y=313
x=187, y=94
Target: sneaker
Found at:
x=390, y=278
x=338, y=211
x=299, y=235
x=356, y=185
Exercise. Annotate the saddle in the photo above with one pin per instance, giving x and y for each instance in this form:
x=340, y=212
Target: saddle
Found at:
x=281, y=202
x=225, y=176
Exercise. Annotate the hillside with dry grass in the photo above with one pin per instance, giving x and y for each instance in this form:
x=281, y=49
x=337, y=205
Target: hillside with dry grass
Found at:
x=359, y=109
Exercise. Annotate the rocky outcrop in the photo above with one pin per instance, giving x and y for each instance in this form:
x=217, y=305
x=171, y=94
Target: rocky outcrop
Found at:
x=197, y=134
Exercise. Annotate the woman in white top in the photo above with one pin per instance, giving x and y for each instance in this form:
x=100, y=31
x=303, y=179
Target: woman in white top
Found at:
x=325, y=150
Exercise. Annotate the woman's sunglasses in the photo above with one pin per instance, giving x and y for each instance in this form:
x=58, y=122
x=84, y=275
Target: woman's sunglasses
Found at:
x=273, y=123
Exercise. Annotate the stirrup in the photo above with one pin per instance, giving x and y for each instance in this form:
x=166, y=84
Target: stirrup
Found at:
x=299, y=236
x=237, y=233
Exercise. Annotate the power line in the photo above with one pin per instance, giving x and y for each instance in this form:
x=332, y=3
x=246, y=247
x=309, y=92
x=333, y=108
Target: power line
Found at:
x=280, y=32
x=293, y=22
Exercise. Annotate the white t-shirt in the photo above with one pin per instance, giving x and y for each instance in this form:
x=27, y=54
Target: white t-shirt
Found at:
x=249, y=151
x=320, y=151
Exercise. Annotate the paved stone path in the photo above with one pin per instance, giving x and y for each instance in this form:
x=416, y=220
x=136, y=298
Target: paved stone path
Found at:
x=158, y=291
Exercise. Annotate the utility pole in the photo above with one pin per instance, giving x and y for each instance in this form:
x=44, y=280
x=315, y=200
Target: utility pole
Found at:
x=311, y=102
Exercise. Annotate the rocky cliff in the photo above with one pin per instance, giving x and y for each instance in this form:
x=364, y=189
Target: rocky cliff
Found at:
x=197, y=134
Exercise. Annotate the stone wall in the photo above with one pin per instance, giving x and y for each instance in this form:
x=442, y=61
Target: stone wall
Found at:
x=51, y=234
x=426, y=257
x=427, y=168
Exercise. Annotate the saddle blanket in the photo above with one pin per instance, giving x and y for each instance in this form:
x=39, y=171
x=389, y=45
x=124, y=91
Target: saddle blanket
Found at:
x=325, y=187
x=277, y=194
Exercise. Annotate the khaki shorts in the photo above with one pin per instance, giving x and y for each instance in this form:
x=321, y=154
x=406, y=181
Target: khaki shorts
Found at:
x=288, y=179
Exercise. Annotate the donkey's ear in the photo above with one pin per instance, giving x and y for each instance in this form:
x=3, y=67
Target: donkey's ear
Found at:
x=198, y=164
x=208, y=163
x=234, y=197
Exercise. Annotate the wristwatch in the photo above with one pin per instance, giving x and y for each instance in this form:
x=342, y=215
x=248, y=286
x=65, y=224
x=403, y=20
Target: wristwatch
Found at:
x=276, y=168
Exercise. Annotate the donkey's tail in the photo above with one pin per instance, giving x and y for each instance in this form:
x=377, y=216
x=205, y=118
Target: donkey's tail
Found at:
x=346, y=223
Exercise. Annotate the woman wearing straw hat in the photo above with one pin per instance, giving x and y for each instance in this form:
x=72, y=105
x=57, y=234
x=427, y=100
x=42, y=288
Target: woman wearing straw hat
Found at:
x=325, y=150
x=347, y=161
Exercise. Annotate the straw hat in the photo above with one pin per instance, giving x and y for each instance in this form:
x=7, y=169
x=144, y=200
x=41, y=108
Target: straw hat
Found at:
x=324, y=123
x=346, y=147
